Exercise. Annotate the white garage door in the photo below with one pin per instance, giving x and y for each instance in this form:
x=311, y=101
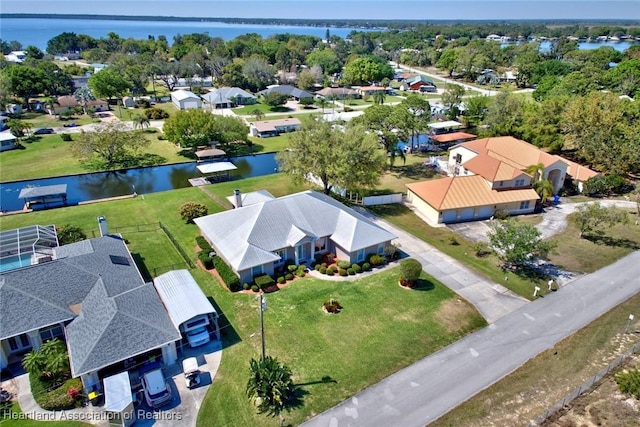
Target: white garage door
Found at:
x=449, y=216
x=466, y=214
x=485, y=212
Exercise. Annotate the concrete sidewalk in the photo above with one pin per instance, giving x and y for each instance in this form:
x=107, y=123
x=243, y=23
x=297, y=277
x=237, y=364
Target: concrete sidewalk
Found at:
x=492, y=300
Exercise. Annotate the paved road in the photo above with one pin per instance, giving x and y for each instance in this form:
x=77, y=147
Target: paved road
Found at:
x=492, y=300
x=428, y=389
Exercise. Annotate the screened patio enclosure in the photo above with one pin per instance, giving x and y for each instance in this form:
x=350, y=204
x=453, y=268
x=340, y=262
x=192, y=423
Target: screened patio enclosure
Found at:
x=26, y=246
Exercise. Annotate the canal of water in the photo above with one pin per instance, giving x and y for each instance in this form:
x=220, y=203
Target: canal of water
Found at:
x=100, y=185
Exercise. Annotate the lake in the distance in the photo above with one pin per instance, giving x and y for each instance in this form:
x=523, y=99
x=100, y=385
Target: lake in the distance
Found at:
x=38, y=31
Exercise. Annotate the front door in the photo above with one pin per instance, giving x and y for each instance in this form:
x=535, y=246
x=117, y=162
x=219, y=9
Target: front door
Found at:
x=300, y=253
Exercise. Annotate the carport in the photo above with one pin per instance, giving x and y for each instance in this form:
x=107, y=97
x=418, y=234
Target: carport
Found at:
x=187, y=305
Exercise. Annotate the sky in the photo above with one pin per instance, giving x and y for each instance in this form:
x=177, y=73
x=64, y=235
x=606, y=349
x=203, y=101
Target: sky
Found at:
x=344, y=9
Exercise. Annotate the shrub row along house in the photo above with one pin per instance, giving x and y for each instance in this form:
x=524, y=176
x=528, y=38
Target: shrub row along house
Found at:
x=488, y=175
x=263, y=232
x=92, y=295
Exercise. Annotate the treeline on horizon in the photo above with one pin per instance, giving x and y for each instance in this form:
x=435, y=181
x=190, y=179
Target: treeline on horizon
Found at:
x=399, y=24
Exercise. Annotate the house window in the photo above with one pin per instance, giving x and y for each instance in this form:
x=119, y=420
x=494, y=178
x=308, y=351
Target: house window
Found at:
x=360, y=255
x=458, y=158
x=18, y=343
x=300, y=252
x=380, y=248
x=524, y=205
x=281, y=253
x=321, y=244
x=519, y=182
x=500, y=183
x=256, y=271
x=51, y=333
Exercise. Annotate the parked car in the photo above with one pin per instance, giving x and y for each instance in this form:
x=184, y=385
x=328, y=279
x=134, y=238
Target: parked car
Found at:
x=156, y=389
x=43, y=131
x=197, y=337
x=191, y=372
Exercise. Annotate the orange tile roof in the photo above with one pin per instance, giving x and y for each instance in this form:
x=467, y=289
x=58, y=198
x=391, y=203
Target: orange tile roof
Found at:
x=492, y=169
x=579, y=172
x=451, y=137
x=519, y=154
x=466, y=192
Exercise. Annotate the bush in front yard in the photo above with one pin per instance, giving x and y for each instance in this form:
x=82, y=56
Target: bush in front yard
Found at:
x=192, y=210
x=344, y=264
x=264, y=281
x=410, y=270
x=366, y=266
x=356, y=268
x=205, y=259
x=227, y=274
x=203, y=244
x=56, y=399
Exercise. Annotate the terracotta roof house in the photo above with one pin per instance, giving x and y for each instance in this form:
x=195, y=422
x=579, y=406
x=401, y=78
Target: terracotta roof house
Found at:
x=228, y=97
x=258, y=238
x=91, y=295
x=267, y=128
x=290, y=91
x=487, y=175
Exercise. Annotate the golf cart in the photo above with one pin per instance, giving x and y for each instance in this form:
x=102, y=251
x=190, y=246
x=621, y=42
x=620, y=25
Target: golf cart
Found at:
x=191, y=372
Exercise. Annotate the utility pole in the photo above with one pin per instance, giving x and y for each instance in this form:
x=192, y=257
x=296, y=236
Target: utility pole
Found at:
x=263, y=307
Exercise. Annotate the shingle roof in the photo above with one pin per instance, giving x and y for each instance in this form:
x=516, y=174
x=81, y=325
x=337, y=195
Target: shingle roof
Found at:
x=287, y=90
x=248, y=236
x=120, y=315
x=466, y=191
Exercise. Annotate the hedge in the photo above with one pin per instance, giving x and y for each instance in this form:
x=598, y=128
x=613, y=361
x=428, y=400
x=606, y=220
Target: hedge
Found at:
x=264, y=281
x=205, y=259
x=203, y=244
x=227, y=274
x=57, y=399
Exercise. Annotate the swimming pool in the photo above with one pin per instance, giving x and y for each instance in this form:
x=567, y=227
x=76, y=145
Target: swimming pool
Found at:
x=13, y=262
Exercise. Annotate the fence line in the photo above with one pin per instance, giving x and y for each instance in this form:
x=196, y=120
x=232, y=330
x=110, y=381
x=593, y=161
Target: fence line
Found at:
x=156, y=271
x=177, y=246
x=585, y=386
x=153, y=226
x=382, y=200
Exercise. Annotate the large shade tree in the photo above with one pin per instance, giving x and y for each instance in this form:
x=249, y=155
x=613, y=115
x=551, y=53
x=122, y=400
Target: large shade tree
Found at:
x=518, y=243
x=192, y=128
x=350, y=159
x=108, y=84
x=108, y=145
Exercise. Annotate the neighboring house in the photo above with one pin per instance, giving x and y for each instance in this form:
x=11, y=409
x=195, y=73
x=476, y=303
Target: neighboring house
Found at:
x=185, y=100
x=267, y=128
x=183, y=82
x=68, y=102
x=290, y=91
x=256, y=239
x=468, y=198
x=91, y=295
x=369, y=90
x=419, y=84
x=488, y=175
x=338, y=93
x=97, y=66
x=228, y=97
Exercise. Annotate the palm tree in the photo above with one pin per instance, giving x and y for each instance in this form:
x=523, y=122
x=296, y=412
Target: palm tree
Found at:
x=270, y=386
x=378, y=97
x=140, y=121
x=536, y=171
x=544, y=188
x=322, y=103
x=257, y=114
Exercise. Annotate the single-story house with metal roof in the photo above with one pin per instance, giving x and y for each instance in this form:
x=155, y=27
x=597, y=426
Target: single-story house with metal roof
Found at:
x=288, y=90
x=258, y=238
x=91, y=295
x=488, y=175
x=228, y=97
x=267, y=128
x=185, y=100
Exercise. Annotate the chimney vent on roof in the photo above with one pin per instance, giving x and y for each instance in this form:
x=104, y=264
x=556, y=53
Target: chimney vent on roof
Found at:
x=238, y=198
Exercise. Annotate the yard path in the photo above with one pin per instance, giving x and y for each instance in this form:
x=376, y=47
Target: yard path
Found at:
x=431, y=387
x=492, y=300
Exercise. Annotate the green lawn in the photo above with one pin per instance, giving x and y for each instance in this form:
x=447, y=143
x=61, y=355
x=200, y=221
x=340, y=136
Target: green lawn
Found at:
x=463, y=251
x=44, y=120
x=595, y=251
x=381, y=329
x=396, y=179
x=275, y=143
x=126, y=114
x=46, y=156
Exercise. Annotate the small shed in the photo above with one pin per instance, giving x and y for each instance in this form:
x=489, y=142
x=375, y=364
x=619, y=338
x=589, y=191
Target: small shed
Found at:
x=187, y=305
x=185, y=100
x=119, y=400
x=209, y=154
x=128, y=102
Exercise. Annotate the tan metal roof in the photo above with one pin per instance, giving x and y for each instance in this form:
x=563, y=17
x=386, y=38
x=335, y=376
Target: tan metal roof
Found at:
x=466, y=192
x=451, y=137
x=579, y=172
x=271, y=125
x=211, y=152
x=519, y=154
x=492, y=169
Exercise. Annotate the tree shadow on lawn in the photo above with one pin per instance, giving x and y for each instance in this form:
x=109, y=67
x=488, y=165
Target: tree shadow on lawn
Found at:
x=414, y=171
x=424, y=285
x=324, y=380
x=279, y=109
x=188, y=153
x=612, y=241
